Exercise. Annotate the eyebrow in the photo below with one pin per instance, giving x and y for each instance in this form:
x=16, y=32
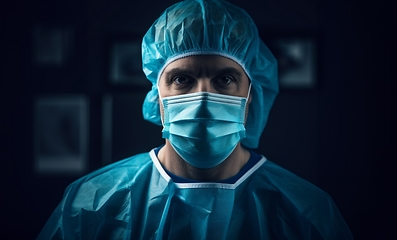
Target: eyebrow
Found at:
x=176, y=71
x=224, y=70
x=230, y=70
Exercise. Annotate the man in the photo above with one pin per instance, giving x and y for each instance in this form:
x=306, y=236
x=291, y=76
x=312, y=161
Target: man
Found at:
x=214, y=82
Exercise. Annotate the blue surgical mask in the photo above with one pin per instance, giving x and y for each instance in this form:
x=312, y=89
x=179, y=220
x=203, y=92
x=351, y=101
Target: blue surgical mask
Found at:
x=204, y=128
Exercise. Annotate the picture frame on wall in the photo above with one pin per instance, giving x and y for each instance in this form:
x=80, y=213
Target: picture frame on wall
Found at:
x=61, y=134
x=52, y=45
x=122, y=121
x=125, y=62
x=296, y=58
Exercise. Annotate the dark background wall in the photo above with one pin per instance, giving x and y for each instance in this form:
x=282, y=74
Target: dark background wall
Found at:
x=339, y=135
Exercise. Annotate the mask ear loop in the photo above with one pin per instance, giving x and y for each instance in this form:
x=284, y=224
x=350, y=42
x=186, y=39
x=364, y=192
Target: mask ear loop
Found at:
x=246, y=103
x=248, y=95
x=161, y=102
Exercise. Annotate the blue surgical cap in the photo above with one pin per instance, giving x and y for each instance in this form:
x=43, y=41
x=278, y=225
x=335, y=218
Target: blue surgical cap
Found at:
x=211, y=27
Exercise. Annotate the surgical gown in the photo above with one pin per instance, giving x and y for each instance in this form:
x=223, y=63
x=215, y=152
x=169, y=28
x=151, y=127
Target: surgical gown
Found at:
x=136, y=199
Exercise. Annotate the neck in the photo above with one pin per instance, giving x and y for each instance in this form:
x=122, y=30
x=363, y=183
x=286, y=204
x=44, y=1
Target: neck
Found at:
x=228, y=168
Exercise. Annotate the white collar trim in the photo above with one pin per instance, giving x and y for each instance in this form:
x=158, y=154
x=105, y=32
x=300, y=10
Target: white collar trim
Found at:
x=205, y=184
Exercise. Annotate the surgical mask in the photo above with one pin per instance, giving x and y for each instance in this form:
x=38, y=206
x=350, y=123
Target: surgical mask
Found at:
x=204, y=128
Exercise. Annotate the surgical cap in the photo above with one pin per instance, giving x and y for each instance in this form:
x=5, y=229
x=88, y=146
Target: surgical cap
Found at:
x=211, y=27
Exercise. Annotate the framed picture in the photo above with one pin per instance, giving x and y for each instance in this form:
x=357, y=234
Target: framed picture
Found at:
x=124, y=131
x=52, y=46
x=296, y=58
x=125, y=62
x=61, y=134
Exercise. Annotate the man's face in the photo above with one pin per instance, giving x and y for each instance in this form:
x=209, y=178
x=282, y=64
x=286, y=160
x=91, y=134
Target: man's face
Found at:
x=213, y=74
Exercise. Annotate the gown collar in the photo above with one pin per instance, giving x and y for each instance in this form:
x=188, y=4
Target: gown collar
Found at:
x=166, y=177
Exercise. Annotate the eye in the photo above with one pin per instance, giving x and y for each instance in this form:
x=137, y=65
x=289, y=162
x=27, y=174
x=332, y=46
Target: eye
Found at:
x=224, y=81
x=182, y=80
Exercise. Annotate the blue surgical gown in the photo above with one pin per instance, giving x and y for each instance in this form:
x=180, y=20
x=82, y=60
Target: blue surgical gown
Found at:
x=136, y=199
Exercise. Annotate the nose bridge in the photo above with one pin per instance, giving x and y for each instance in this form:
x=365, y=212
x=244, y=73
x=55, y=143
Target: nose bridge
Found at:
x=204, y=85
